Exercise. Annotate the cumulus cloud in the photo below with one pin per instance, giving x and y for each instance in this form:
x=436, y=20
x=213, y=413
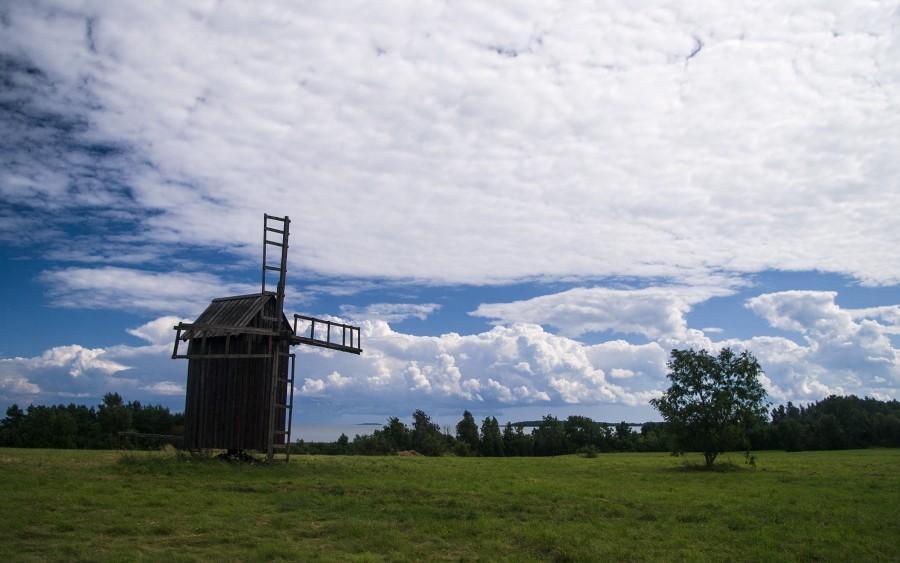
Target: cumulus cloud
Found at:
x=16, y=386
x=519, y=364
x=654, y=312
x=61, y=371
x=72, y=371
x=845, y=350
x=888, y=317
x=390, y=312
x=76, y=359
x=511, y=365
x=158, y=331
x=334, y=381
x=423, y=141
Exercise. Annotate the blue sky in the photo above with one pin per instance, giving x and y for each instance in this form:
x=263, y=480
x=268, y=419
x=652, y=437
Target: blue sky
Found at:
x=525, y=208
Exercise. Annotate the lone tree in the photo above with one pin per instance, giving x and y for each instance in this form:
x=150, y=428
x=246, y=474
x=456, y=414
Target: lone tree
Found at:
x=713, y=400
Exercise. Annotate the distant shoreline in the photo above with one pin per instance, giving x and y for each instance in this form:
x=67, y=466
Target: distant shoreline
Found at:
x=536, y=423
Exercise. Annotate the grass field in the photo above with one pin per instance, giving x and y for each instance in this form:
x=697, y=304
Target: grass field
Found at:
x=72, y=505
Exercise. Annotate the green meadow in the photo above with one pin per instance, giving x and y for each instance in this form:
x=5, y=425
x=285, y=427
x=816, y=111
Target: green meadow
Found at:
x=89, y=505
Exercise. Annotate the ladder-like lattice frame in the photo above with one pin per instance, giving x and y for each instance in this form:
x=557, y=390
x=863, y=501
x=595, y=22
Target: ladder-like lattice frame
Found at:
x=281, y=268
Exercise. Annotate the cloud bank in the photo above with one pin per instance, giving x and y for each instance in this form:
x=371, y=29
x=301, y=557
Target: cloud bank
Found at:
x=513, y=364
x=433, y=142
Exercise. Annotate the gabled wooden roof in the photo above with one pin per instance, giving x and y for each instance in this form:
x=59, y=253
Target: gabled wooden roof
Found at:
x=237, y=312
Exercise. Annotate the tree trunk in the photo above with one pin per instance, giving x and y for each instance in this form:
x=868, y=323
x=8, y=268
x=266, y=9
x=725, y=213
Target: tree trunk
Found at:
x=710, y=458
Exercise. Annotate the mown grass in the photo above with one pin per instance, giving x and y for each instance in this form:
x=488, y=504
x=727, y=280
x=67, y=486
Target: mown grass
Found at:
x=82, y=505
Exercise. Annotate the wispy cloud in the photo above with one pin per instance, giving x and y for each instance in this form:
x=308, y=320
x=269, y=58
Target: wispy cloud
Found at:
x=390, y=312
x=111, y=287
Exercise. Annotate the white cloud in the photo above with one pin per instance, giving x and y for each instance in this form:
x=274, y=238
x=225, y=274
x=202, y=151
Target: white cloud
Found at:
x=312, y=387
x=333, y=382
x=888, y=316
x=127, y=289
x=158, y=331
x=61, y=371
x=518, y=364
x=844, y=352
x=165, y=388
x=431, y=142
x=17, y=386
x=512, y=365
x=390, y=312
x=76, y=359
x=654, y=312
x=74, y=371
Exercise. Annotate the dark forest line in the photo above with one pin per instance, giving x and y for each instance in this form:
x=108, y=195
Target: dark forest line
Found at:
x=836, y=422
x=82, y=427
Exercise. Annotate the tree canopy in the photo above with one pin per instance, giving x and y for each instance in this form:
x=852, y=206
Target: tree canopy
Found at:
x=713, y=401
x=467, y=432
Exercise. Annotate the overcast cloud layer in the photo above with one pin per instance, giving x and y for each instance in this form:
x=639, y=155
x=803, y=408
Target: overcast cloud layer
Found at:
x=435, y=141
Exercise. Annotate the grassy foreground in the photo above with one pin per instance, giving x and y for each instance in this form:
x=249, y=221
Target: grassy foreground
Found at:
x=107, y=505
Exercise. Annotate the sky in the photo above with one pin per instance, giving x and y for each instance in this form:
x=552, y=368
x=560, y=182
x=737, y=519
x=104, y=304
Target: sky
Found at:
x=525, y=206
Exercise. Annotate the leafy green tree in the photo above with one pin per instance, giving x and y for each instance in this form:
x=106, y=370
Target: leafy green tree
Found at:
x=581, y=431
x=467, y=431
x=550, y=437
x=426, y=435
x=886, y=429
x=14, y=416
x=654, y=437
x=342, y=443
x=790, y=434
x=712, y=400
x=625, y=437
x=372, y=444
x=509, y=439
x=396, y=435
x=516, y=442
x=114, y=417
x=11, y=427
x=830, y=434
x=491, y=439
x=48, y=427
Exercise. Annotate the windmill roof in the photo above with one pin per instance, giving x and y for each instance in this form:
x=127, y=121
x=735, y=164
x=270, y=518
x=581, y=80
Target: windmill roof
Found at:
x=237, y=311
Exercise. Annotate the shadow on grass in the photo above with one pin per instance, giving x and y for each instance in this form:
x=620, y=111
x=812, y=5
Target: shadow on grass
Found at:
x=720, y=467
x=169, y=461
x=158, y=461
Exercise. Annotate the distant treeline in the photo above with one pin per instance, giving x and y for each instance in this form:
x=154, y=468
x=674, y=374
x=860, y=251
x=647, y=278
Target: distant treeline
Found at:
x=829, y=424
x=551, y=436
x=79, y=426
x=832, y=423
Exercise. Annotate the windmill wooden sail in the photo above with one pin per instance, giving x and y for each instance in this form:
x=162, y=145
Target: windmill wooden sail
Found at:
x=240, y=384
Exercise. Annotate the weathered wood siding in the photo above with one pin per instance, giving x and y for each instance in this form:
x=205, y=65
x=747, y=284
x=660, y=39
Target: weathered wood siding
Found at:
x=228, y=400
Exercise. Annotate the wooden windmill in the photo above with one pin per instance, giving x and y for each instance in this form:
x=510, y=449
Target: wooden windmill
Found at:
x=240, y=384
